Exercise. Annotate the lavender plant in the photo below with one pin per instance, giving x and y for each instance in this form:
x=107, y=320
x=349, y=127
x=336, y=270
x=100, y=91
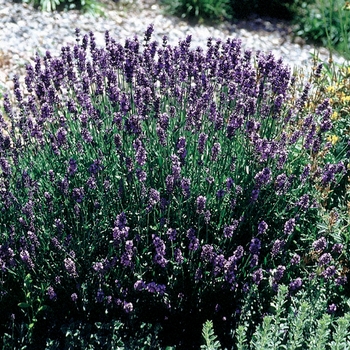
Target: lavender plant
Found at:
x=158, y=184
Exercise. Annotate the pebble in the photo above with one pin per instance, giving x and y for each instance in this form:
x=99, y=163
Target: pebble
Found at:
x=24, y=31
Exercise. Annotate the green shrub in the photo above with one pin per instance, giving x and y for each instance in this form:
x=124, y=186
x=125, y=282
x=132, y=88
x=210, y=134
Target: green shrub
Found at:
x=326, y=22
x=151, y=184
x=303, y=321
x=200, y=9
x=91, y=6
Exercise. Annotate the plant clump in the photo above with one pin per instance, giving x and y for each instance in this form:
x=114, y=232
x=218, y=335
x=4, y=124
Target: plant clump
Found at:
x=157, y=184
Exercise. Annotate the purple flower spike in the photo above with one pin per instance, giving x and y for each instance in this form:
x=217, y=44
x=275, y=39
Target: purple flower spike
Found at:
x=154, y=197
x=255, y=246
x=337, y=248
x=139, y=285
x=179, y=259
x=325, y=259
x=295, y=259
x=128, y=307
x=229, y=230
x=262, y=227
x=263, y=177
x=51, y=293
x=277, y=247
x=320, y=245
x=70, y=267
x=279, y=273
x=215, y=151
x=296, y=284
x=257, y=276
x=208, y=253
x=332, y=308
x=201, y=142
x=289, y=226
x=172, y=234
x=201, y=202
x=185, y=186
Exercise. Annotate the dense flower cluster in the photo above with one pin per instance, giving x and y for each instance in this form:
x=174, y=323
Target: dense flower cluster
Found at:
x=138, y=173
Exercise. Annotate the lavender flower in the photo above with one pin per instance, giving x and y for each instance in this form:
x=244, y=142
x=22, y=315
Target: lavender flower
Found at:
x=70, y=267
x=74, y=297
x=229, y=183
x=277, y=247
x=337, y=248
x=257, y=276
x=262, y=227
x=325, y=259
x=201, y=202
x=207, y=254
x=215, y=151
x=320, y=244
x=141, y=154
x=172, y=234
x=73, y=167
x=289, y=226
x=100, y=296
x=229, y=230
x=78, y=194
x=185, y=186
x=332, y=308
x=27, y=259
x=169, y=181
x=139, y=285
x=255, y=195
x=51, y=293
x=154, y=197
x=305, y=173
x=255, y=246
x=304, y=202
x=262, y=178
x=207, y=216
x=128, y=307
x=98, y=266
x=296, y=284
x=329, y=272
x=295, y=259
x=201, y=142
x=278, y=274
x=254, y=260
x=179, y=259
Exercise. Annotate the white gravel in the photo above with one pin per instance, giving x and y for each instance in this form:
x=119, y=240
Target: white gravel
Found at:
x=25, y=31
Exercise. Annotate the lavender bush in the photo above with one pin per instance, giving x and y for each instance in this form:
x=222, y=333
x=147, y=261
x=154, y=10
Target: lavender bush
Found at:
x=154, y=184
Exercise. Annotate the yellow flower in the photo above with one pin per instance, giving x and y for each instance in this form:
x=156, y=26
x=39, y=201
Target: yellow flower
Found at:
x=345, y=99
x=331, y=89
x=333, y=139
x=335, y=115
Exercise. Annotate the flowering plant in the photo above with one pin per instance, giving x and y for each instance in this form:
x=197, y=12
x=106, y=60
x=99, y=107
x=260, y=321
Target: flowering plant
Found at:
x=158, y=184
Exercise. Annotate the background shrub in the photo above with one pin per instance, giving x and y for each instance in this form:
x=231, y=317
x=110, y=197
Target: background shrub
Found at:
x=326, y=23
x=91, y=6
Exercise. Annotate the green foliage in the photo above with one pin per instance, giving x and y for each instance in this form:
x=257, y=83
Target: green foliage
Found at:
x=211, y=342
x=326, y=22
x=297, y=322
x=89, y=6
x=232, y=9
x=199, y=9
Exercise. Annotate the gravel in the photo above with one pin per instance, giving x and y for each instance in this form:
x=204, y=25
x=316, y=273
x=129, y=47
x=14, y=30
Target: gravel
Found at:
x=24, y=31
